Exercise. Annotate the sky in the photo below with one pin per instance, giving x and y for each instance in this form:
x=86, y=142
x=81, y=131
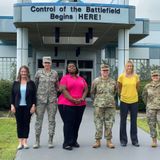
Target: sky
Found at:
x=144, y=8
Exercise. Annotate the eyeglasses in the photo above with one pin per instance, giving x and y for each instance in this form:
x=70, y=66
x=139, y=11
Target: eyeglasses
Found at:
x=156, y=75
x=106, y=70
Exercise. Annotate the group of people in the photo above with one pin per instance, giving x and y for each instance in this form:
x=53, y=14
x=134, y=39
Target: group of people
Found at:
x=37, y=96
x=104, y=90
x=28, y=97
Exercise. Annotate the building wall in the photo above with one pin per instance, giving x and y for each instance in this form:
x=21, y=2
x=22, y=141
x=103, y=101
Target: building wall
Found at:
x=154, y=34
x=7, y=50
x=146, y=49
x=139, y=53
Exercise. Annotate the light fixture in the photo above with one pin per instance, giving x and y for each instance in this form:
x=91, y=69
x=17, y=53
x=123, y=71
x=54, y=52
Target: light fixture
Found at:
x=87, y=37
x=77, y=51
x=55, y=51
x=90, y=32
x=57, y=34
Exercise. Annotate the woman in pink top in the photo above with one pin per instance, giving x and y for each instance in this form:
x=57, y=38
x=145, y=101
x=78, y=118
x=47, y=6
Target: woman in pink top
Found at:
x=71, y=104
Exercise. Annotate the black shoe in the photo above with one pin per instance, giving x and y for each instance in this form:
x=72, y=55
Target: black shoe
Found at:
x=136, y=144
x=76, y=145
x=68, y=148
x=123, y=144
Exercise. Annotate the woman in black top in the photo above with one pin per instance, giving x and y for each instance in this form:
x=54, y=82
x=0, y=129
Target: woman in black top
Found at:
x=23, y=103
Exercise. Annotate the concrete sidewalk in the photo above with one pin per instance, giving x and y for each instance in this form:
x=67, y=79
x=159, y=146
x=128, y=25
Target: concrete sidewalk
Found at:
x=86, y=139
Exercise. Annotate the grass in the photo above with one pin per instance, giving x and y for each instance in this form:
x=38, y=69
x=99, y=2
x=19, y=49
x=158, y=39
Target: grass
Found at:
x=8, y=138
x=142, y=123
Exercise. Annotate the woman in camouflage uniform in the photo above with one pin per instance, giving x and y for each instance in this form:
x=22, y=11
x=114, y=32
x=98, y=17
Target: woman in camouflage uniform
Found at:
x=103, y=90
x=151, y=98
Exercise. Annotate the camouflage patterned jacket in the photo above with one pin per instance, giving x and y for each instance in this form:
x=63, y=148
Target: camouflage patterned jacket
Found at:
x=47, y=85
x=151, y=95
x=103, y=92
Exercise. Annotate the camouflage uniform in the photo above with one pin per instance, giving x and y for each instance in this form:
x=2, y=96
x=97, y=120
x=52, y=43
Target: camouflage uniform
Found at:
x=151, y=97
x=103, y=91
x=47, y=85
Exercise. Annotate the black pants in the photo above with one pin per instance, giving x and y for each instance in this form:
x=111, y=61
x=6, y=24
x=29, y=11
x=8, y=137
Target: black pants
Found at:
x=133, y=109
x=23, y=117
x=71, y=117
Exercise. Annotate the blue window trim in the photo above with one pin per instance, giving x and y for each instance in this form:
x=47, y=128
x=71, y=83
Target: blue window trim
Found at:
x=6, y=17
x=146, y=45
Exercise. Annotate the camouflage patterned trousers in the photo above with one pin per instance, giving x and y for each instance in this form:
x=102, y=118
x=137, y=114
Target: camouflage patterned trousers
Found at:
x=104, y=117
x=153, y=118
x=51, y=110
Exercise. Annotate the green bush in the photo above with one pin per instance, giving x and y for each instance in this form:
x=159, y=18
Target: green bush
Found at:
x=5, y=92
x=141, y=106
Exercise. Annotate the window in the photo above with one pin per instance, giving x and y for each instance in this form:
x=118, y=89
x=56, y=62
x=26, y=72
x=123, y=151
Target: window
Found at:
x=7, y=68
x=58, y=63
x=85, y=64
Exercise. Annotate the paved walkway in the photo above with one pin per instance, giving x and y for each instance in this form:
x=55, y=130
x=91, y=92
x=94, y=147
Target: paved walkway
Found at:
x=86, y=139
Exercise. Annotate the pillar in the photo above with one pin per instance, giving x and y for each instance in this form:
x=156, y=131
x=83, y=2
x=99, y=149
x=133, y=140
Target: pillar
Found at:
x=22, y=47
x=103, y=57
x=123, y=49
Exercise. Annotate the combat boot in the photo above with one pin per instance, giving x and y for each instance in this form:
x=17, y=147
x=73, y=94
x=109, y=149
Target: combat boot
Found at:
x=154, y=142
x=50, y=141
x=109, y=144
x=97, y=143
x=37, y=143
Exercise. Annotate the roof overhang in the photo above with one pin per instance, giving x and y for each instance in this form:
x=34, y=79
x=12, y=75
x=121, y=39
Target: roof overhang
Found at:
x=72, y=32
x=139, y=31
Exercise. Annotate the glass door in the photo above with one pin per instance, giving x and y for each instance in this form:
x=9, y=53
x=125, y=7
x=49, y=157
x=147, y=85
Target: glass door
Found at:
x=87, y=75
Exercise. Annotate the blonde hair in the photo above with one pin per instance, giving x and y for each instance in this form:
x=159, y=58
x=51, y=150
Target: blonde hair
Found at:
x=129, y=62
